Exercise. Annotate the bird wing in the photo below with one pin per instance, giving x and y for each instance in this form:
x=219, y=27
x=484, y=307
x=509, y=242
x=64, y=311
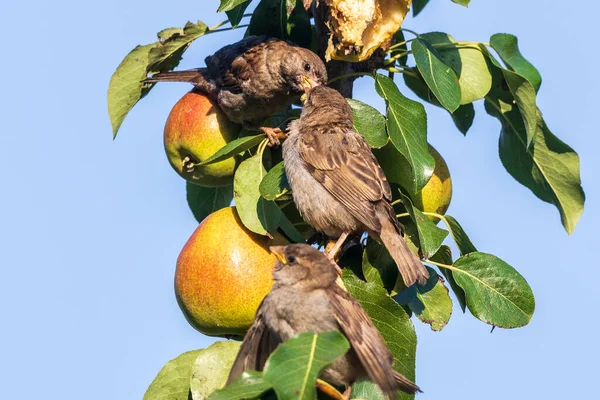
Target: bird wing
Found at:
x=365, y=339
x=231, y=65
x=344, y=164
x=256, y=347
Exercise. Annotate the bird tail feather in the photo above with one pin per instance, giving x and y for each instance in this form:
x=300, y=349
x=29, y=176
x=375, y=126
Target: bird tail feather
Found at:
x=405, y=384
x=199, y=77
x=409, y=265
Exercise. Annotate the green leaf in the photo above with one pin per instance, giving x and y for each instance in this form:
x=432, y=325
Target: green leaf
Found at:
x=365, y=390
x=369, y=123
x=549, y=167
x=211, y=368
x=234, y=148
x=507, y=47
x=204, y=200
x=402, y=48
x=173, y=380
x=126, y=88
x=407, y=127
x=168, y=51
x=275, y=184
x=292, y=369
x=378, y=266
x=284, y=19
x=430, y=236
x=250, y=385
x=465, y=246
x=391, y=321
x=418, y=6
x=462, y=2
x=257, y=214
x=290, y=229
x=236, y=14
x=227, y=5
x=469, y=63
x=440, y=78
x=463, y=117
x=444, y=256
x=431, y=303
x=496, y=293
x=521, y=92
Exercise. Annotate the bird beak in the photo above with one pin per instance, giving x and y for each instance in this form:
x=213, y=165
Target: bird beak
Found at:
x=308, y=83
x=278, y=251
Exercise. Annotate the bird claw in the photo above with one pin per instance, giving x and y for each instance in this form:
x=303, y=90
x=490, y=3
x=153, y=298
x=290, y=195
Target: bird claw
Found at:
x=274, y=135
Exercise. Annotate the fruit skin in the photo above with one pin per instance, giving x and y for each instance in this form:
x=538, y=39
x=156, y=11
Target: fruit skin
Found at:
x=436, y=194
x=197, y=128
x=223, y=273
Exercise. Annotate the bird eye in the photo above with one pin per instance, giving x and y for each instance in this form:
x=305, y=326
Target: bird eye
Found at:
x=291, y=259
x=307, y=67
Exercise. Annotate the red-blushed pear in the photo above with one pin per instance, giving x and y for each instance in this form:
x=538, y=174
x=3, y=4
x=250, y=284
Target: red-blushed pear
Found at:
x=223, y=273
x=195, y=130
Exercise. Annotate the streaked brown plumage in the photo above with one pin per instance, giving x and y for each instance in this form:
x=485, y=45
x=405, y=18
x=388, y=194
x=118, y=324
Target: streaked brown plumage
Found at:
x=306, y=298
x=254, y=78
x=337, y=183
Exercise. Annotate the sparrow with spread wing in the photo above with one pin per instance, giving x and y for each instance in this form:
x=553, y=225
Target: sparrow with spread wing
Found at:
x=306, y=298
x=338, y=185
x=253, y=79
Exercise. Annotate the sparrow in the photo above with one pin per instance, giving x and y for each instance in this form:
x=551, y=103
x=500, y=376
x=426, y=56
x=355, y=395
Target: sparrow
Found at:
x=337, y=184
x=306, y=298
x=253, y=79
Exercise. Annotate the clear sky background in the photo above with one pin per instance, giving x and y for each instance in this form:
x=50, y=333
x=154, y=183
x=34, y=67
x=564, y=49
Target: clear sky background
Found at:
x=90, y=228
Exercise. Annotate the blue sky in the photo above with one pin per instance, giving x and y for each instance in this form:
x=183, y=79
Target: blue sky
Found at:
x=90, y=228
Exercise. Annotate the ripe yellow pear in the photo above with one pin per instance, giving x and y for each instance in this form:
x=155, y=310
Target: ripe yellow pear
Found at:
x=195, y=130
x=223, y=273
x=436, y=194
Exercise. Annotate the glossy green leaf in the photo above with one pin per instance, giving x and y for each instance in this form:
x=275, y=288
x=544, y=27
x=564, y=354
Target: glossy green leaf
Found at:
x=204, y=200
x=275, y=185
x=257, y=214
x=469, y=63
x=292, y=369
x=440, y=77
x=418, y=6
x=378, y=266
x=126, y=88
x=234, y=148
x=463, y=117
x=250, y=385
x=407, y=128
x=462, y=2
x=549, y=167
x=390, y=319
x=227, y=5
x=290, y=229
x=521, y=91
x=400, y=41
x=430, y=236
x=211, y=368
x=284, y=19
x=507, y=47
x=173, y=380
x=431, y=303
x=366, y=390
x=369, y=123
x=166, y=55
x=496, y=293
x=235, y=14
x=444, y=256
x=465, y=246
